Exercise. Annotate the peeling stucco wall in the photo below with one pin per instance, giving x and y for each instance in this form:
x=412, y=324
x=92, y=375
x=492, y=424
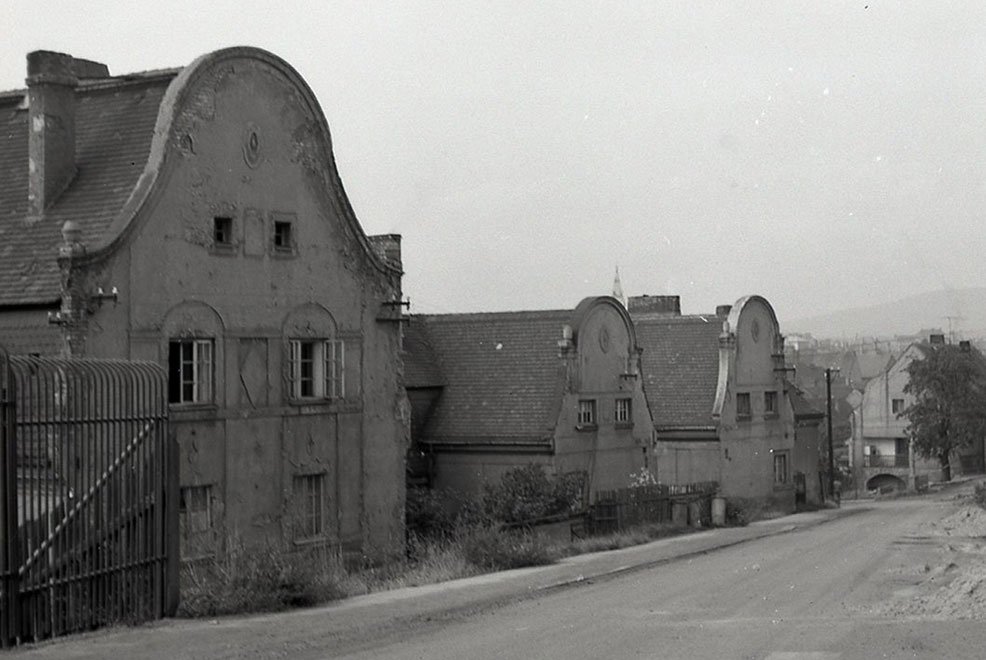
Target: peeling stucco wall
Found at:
x=248, y=144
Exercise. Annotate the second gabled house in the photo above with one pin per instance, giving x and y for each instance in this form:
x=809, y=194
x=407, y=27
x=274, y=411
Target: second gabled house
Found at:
x=717, y=391
x=494, y=391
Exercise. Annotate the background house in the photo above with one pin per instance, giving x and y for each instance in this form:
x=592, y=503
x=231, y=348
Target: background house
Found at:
x=880, y=450
x=194, y=217
x=717, y=392
x=680, y=368
x=560, y=388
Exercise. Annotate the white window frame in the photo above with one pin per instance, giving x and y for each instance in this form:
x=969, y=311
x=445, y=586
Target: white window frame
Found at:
x=324, y=377
x=587, y=412
x=196, y=371
x=623, y=410
x=782, y=477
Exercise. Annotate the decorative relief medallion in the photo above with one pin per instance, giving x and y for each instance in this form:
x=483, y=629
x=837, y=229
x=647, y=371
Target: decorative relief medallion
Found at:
x=604, y=339
x=755, y=330
x=251, y=145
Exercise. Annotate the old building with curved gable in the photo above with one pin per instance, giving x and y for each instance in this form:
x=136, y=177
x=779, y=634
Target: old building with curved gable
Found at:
x=495, y=391
x=194, y=217
x=717, y=389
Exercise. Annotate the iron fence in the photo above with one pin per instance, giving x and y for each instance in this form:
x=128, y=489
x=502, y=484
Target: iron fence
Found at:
x=88, y=478
x=623, y=508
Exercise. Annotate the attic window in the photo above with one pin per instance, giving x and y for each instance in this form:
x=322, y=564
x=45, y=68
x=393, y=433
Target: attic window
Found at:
x=282, y=236
x=587, y=413
x=622, y=413
x=770, y=404
x=222, y=231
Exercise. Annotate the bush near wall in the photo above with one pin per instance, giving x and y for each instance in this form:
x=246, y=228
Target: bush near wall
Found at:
x=527, y=493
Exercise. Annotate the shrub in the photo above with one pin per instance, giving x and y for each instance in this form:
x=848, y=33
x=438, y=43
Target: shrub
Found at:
x=979, y=496
x=428, y=513
x=490, y=548
x=740, y=511
x=527, y=493
x=259, y=580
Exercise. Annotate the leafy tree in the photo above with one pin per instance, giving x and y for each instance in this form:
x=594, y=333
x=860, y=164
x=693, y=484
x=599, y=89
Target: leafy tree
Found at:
x=949, y=409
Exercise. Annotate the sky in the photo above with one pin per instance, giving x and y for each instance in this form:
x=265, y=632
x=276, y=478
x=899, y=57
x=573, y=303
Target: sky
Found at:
x=823, y=154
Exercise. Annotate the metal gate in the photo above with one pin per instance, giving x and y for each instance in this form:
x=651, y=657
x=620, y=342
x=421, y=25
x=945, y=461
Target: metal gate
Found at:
x=88, y=480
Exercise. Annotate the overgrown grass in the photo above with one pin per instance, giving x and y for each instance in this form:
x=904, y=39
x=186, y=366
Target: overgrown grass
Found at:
x=259, y=580
x=270, y=580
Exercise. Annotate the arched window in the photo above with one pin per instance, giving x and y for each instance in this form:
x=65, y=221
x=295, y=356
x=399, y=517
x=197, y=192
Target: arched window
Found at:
x=315, y=356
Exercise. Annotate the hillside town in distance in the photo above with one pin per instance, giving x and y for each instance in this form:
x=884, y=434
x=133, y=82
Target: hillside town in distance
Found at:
x=218, y=400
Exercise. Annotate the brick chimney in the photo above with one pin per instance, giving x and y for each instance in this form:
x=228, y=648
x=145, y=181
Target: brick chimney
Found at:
x=51, y=82
x=722, y=311
x=670, y=305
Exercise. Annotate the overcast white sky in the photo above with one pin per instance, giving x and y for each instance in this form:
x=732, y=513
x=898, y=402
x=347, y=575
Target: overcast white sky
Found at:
x=822, y=154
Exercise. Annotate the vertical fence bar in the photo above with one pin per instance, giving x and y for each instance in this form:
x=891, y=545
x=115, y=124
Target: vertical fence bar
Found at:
x=9, y=588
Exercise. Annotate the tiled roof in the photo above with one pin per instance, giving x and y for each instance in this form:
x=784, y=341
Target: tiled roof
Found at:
x=503, y=376
x=802, y=408
x=680, y=365
x=115, y=120
x=872, y=364
x=421, y=368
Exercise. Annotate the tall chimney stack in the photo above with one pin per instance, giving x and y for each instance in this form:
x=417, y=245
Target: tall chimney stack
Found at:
x=51, y=82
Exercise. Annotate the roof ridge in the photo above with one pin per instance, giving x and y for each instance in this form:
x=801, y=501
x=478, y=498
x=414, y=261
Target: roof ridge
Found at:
x=109, y=81
x=480, y=316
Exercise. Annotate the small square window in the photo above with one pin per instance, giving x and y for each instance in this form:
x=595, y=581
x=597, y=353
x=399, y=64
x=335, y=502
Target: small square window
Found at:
x=898, y=406
x=622, y=411
x=282, y=235
x=743, y=405
x=769, y=403
x=780, y=468
x=309, y=494
x=222, y=232
x=587, y=412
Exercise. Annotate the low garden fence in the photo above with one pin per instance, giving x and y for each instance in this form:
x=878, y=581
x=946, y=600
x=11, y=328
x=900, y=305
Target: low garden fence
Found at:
x=623, y=508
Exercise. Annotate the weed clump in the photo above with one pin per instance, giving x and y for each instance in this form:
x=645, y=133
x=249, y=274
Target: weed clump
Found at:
x=979, y=495
x=496, y=549
x=258, y=580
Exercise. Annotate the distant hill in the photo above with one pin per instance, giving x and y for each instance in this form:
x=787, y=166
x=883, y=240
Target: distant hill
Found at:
x=902, y=317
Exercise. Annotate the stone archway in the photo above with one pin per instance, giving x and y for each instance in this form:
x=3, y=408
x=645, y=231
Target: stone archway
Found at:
x=886, y=482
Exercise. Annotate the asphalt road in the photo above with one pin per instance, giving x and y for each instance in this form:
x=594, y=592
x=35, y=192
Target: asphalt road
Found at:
x=816, y=593
x=821, y=586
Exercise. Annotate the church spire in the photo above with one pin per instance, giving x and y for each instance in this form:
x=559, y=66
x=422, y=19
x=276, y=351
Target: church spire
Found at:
x=618, y=288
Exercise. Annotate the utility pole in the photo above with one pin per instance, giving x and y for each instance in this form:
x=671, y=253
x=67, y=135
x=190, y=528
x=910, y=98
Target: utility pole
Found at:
x=828, y=399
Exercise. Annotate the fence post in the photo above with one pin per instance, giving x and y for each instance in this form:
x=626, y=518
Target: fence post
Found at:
x=9, y=547
x=171, y=527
